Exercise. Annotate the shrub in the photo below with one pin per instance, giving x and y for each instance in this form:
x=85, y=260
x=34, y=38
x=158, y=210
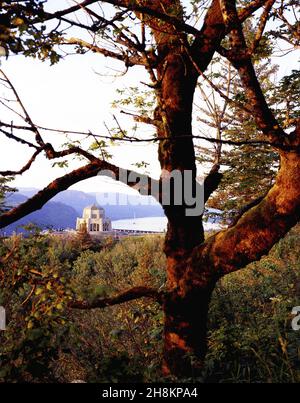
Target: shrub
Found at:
x=250, y=335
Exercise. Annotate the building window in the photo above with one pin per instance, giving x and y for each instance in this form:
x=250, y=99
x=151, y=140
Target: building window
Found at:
x=98, y=227
x=91, y=227
x=94, y=216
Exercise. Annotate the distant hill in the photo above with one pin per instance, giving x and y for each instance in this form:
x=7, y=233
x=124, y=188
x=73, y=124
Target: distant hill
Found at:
x=74, y=198
x=64, y=208
x=136, y=206
x=52, y=215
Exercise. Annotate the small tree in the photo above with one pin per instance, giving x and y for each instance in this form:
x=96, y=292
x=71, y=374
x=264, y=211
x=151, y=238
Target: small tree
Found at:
x=5, y=190
x=84, y=238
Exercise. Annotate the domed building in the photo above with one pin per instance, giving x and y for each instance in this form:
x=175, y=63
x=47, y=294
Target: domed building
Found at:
x=94, y=220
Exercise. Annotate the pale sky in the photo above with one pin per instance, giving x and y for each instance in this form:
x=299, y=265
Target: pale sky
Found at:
x=75, y=94
x=71, y=95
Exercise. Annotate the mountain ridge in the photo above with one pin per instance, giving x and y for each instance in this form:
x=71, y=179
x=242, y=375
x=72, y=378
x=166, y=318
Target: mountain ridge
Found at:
x=70, y=204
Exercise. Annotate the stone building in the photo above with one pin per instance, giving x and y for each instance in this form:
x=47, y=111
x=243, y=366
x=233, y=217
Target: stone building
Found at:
x=93, y=218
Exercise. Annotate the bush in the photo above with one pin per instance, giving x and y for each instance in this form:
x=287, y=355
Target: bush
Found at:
x=250, y=338
x=250, y=335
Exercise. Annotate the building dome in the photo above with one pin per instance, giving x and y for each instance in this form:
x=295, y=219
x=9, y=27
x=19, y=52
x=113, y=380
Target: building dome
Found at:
x=94, y=207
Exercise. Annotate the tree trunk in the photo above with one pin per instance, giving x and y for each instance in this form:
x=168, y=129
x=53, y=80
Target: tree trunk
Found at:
x=186, y=311
x=187, y=299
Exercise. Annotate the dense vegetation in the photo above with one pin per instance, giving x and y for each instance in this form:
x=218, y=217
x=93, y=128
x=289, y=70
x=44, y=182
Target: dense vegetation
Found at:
x=250, y=334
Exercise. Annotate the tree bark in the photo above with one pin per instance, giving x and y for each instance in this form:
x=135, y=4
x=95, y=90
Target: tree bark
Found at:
x=187, y=299
x=186, y=312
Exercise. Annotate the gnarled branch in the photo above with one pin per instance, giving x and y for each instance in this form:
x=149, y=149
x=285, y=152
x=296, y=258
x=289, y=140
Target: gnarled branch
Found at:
x=259, y=228
x=25, y=167
x=130, y=61
x=16, y=138
x=128, y=295
x=262, y=24
x=239, y=56
x=28, y=119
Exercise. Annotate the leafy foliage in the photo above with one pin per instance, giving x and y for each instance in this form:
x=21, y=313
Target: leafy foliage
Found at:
x=244, y=166
x=286, y=99
x=19, y=32
x=250, y=337
x=44, y=340
x=5, y=189
x=34, y=292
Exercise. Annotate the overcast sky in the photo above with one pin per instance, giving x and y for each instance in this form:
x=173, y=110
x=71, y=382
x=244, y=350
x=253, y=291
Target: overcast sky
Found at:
x=69, y=95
